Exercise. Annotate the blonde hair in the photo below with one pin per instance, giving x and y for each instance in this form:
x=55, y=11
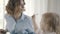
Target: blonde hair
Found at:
x=50, y=22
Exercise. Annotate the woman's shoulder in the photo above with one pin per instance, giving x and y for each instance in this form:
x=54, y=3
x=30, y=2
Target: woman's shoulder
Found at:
x=27, y=17
x=6, y=16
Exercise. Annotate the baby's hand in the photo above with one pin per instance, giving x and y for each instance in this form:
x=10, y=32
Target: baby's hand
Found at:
x=2, y=31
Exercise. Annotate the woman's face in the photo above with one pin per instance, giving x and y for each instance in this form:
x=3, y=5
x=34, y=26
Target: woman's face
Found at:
x=20, y=8
x=22, y=3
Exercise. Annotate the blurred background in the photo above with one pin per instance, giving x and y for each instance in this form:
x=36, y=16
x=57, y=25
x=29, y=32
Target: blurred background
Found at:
x=33, y=7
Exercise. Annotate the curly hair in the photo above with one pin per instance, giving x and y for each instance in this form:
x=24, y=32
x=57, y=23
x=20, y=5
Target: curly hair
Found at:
x=50, y=22
x=11, y=6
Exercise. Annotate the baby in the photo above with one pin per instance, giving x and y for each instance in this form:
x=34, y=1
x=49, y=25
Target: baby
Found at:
x=50, y=23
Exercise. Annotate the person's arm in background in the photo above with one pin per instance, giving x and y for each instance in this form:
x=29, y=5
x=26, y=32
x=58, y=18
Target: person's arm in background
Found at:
x=35, y=25
x=2, y=31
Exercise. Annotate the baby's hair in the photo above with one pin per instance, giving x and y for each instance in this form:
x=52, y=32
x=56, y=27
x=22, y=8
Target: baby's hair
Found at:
x=50, y=22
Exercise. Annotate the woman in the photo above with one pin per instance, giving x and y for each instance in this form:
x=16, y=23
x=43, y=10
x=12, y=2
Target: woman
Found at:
x=50, y=23
x=17, y=22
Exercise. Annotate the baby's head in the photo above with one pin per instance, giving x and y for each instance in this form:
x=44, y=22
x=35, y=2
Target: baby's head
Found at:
x=49, y=22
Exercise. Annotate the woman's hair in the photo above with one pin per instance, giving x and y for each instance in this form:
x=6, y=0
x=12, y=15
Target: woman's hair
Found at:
x=50, y=22
x=11, y=6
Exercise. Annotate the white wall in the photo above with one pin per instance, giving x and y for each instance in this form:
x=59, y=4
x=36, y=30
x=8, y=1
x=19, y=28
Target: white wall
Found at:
x=1, y=14
x=54, y=6
x=29, y=7
x=40, y=8
x=1, y=9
